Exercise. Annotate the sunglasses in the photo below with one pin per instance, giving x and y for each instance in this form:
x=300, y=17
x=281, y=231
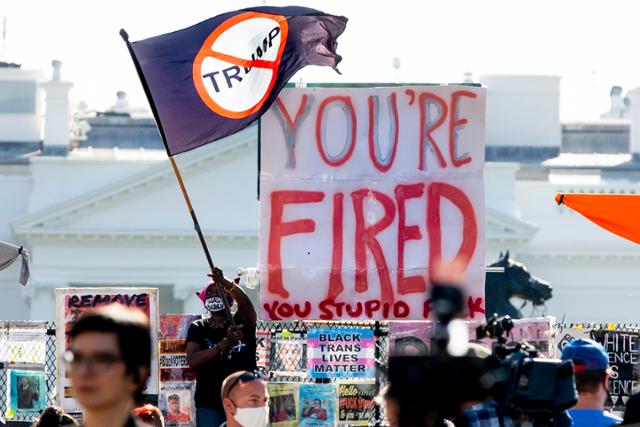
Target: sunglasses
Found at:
x=244, y=378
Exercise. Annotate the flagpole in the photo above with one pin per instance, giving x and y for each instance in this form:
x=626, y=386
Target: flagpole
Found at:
x=176, y=171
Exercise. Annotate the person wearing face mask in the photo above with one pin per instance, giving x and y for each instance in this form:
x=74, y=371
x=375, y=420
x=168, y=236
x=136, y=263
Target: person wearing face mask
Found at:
x=245, y=399
x=216, y=348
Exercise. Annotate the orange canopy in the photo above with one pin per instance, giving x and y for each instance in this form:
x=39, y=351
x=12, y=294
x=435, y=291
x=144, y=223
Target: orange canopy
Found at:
x=617, y=213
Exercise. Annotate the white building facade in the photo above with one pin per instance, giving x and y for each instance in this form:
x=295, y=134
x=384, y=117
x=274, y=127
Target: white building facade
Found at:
x=104, y=209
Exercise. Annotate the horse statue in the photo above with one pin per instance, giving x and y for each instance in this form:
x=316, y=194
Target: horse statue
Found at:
x=516, y=281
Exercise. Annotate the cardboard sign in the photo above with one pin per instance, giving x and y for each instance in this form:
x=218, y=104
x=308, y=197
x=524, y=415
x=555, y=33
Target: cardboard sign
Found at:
x=341, y=353
x=72, y=302
x=362, y=189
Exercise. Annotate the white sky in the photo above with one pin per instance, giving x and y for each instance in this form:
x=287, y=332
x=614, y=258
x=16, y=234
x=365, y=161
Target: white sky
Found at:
x=591, y=44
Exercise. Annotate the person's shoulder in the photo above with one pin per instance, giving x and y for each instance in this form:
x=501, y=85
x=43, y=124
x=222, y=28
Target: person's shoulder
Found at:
x=198, y=323
x=612, y=417
x=593, y=417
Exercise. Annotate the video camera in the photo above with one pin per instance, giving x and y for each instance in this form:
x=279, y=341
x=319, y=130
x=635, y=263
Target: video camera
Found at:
x=435, y=386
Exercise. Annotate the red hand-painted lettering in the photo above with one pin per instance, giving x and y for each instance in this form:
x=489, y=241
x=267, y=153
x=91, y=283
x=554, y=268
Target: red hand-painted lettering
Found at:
x=407, y=232
x=279, y=229
x=366, y=237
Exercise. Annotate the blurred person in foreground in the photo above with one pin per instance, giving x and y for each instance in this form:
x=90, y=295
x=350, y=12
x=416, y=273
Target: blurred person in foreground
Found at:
x=216, y=349
x=592, y=372
x=632, y=411
x=108, y=363
x=54, y=416
x=479, y=409
x=245, y=399
x=149, y=414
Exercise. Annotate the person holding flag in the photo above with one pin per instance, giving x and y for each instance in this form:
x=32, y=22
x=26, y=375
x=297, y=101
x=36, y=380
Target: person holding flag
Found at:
x=217, y=348
x=215, y=78
x=204, y=83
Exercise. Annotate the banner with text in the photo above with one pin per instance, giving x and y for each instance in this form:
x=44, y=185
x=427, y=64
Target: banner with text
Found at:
x=72, y=302
x=362, y=189
x=173, y=347
x=340, y=353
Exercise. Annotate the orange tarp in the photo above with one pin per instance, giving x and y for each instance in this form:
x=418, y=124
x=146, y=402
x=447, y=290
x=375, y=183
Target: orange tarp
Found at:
x=617, y=213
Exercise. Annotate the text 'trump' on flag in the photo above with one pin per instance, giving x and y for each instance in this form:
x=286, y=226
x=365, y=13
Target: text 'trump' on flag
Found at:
x=215, y=78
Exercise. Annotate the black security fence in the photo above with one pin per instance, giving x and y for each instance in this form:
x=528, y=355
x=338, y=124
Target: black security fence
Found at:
x=281, y=353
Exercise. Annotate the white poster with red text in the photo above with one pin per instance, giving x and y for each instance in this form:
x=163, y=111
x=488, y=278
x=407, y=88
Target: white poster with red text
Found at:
x=361, y=190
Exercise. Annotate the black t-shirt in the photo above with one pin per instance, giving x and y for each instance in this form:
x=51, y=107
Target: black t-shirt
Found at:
x=209, y=377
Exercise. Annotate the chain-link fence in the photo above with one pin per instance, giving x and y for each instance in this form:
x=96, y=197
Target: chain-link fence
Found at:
x=26, y=360
x=286, y=360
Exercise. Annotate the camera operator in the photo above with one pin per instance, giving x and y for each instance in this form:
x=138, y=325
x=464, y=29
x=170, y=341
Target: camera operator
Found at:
x=511, y=387
x=481, y=409
x=592, y=372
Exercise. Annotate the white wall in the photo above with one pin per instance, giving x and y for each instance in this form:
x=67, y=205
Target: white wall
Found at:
x=523, y=110
x=22, y=127
x=14, y=192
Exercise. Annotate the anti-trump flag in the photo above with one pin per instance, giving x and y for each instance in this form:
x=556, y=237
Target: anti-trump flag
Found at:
x=215, y=78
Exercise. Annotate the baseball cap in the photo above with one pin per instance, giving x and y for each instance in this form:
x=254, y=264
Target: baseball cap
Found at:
x=587, y=355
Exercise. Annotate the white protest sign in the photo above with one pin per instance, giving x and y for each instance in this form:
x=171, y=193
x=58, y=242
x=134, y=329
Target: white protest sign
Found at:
x=72, y=302
x=362, y=189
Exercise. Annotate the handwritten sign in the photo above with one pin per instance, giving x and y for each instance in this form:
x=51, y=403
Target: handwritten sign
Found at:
x=622, y=348
x=362, y=189
x=340, y=353
x=72, y=302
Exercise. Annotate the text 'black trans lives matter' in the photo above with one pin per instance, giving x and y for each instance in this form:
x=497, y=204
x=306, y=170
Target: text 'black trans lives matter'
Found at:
x=215, y=78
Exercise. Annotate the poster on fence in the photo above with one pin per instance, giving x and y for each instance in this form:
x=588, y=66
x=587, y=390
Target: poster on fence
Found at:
x=318, y=405
x=414, y=338
x=26, y=393
x=622, y=348
x=263, y=351
x=24, y=343
x=356, y=403
x=72, y=302
x=565, y=333
x=173, y=347
x=176, y=402
x=361, y=190
x=283, y=404
x=289, y=356
x=340, y=353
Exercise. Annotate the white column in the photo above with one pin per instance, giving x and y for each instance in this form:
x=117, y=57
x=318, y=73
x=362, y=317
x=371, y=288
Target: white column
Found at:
x=500, y=187
x=42, y=301
x=56, y=125
x=634, y=139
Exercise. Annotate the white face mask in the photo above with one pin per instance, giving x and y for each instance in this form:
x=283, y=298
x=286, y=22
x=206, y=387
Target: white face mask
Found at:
x=253, y=417
x=214, y=304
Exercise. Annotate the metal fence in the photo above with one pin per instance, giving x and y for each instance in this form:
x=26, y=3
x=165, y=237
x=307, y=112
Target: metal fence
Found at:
x=287, y=359
x=49, y=358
